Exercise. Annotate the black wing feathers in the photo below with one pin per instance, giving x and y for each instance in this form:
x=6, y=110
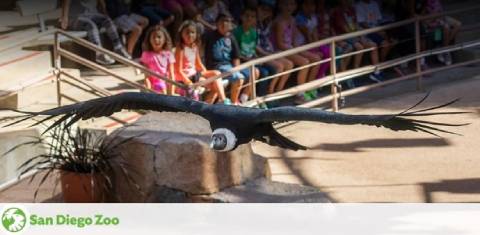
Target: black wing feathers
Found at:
x=396, y=122
x=106, y=106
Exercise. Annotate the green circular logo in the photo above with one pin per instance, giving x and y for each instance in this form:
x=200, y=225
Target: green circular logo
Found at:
x=14, y=219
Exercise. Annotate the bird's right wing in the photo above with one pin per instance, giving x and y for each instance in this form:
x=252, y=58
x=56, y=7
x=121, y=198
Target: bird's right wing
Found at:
x=404, y=121
x=106, y=106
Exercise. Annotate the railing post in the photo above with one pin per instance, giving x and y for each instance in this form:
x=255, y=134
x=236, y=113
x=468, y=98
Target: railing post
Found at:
x=418, y=49
x=333, y=71
x=253, y=82
x=57, y=66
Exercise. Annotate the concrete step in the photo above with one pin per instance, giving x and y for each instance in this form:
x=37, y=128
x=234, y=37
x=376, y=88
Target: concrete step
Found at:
x=23, y=73
x=12, y=21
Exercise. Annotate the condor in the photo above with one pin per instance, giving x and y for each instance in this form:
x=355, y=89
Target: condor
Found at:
x=234, y=125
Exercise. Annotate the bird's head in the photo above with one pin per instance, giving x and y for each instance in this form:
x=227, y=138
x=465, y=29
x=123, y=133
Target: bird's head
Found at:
x=223, y=140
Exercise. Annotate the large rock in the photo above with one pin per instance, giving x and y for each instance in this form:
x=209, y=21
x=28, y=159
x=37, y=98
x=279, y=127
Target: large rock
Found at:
x=172, y=150
x=256, y=191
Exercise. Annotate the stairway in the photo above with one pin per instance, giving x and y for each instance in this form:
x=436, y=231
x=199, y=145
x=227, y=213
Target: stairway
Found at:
x=81, y=92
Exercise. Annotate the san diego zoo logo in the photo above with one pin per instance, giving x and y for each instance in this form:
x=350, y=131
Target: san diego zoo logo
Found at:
x=14, y=219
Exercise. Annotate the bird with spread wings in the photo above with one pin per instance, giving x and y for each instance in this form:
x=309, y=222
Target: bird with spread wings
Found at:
x=235, y=125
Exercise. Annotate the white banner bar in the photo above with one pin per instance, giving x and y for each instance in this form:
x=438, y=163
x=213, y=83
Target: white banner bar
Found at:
x=241, y=219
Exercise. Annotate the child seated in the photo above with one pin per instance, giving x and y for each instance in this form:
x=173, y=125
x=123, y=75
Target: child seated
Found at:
x=126, y=21
x=325, y=30
x=369, y=16
x=84, y=16
x=156, y=15
x=247, y=37
x=308, y=24
x=265, y=46
x=222, y=53
x=157, y=56
x=448, y=28
x=210, y=9
x=345, y=21
x=189, y=67
x=285, y=32
x=182, y=10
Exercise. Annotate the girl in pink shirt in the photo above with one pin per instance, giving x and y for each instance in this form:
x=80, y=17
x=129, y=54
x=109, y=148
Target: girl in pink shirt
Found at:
x=157, y=56
x=189, y=67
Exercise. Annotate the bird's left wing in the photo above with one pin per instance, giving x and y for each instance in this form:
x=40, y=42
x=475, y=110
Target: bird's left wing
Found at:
x=106, y=106
x=404, y=121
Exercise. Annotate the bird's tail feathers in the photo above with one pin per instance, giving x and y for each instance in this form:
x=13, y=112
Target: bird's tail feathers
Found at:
x=279, y=140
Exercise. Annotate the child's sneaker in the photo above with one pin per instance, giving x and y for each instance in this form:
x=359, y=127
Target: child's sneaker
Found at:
x=313, y=94
x=123, y=52
x=243, y=98
x=376, y=76
x=193, y=94
x=303, y=98
x=263, y=106
x=227, y=101
x=104, y=59
x=441, y=58
x=201, y=90
x=448, y=58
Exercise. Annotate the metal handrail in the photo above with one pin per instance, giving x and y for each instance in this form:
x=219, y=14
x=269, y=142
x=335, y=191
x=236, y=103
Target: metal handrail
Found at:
x=118, y=58
x=329, y=40
x=58, y=52
x=342, y=76
x=329, y=80
x=88, y=63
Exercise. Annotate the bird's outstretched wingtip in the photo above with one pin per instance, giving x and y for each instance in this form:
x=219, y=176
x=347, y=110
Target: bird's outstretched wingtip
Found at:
x=406, y=117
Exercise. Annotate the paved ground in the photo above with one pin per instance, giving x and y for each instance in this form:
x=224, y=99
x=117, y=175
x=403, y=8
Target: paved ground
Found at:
x=368, y=164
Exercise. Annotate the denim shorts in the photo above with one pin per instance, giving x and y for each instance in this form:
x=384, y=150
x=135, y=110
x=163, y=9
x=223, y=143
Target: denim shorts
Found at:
x=242, y=74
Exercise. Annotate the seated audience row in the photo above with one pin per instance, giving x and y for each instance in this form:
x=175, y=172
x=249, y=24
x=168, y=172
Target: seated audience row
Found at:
x=234, y=32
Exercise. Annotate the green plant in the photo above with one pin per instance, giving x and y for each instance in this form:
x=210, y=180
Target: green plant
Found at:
x=74, y=150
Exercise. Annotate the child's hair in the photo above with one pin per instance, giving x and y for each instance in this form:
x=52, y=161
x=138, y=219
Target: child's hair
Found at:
x=300, y=4
x=183, y=26
x=249, y=8
x=147, y=46
x=222, y=16
x=281, y=4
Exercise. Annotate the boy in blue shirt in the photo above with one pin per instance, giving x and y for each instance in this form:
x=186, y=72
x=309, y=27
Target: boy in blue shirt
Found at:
x=222, y=53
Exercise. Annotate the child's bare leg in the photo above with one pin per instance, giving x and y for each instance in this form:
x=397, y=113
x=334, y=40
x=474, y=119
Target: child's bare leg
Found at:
x=273, y=82
x=248, y=90
x=287, y=65
x=455, y=27
x=133, y=37
x=235, y=88
x=373, y=53
x=314, y=69
x=211, y=97
x=386, y=47
x=299, y=60
x=216, y=85
x=357, y=60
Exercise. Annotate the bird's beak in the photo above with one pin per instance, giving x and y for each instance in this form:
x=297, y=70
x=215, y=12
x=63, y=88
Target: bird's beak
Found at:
x=211, y=144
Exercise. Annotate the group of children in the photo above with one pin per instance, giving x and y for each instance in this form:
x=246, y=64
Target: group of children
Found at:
x=217, y=33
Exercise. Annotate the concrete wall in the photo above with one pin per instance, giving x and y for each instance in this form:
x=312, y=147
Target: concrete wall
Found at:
x=10, y=162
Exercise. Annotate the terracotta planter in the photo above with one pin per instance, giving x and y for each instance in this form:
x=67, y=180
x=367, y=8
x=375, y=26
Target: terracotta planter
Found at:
x=78, y=187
